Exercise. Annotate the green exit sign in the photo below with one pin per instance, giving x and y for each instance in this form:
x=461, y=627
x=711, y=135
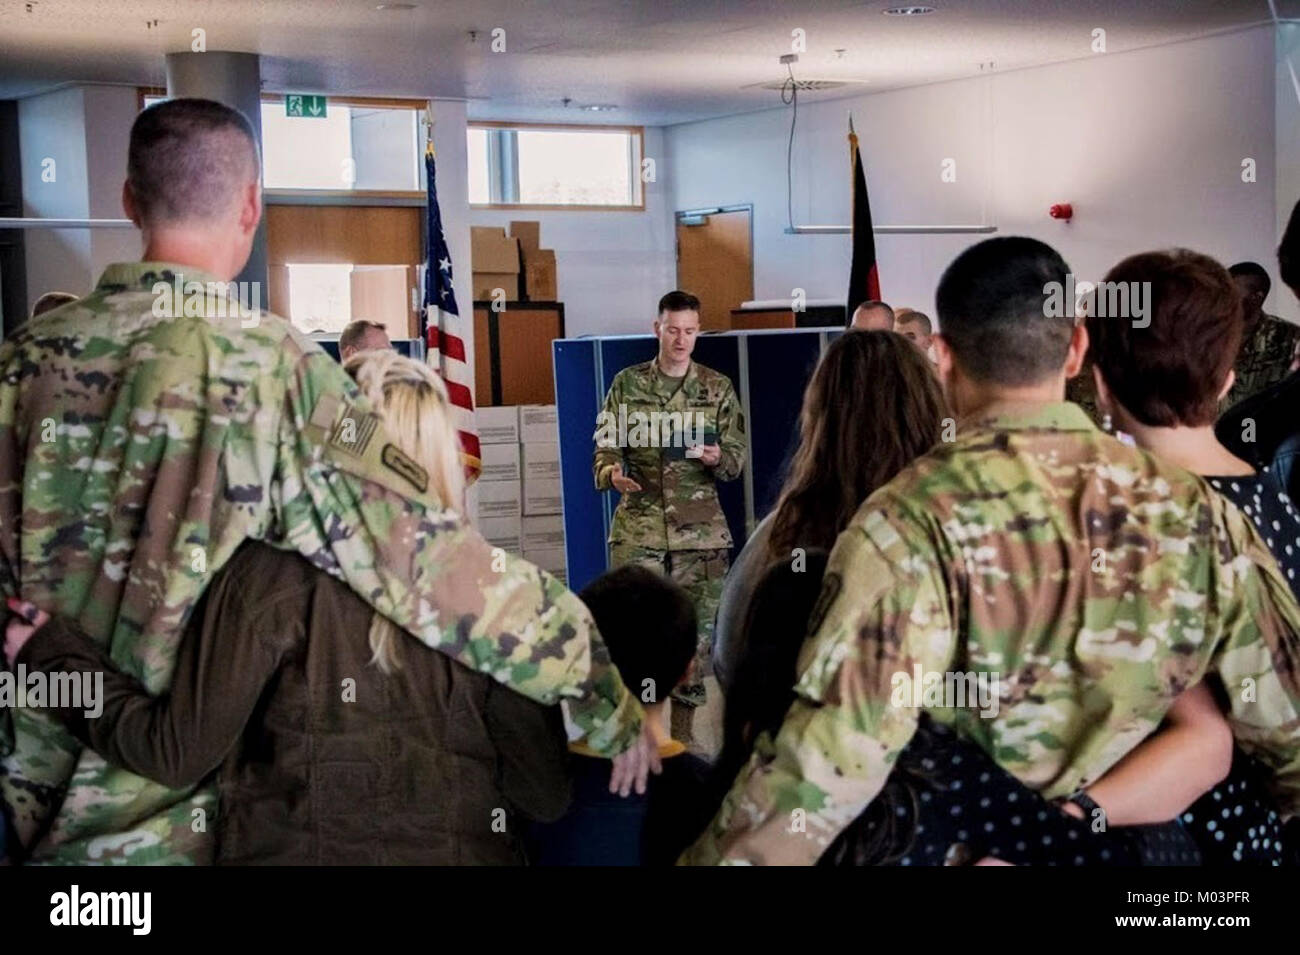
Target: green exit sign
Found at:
x=300, y=104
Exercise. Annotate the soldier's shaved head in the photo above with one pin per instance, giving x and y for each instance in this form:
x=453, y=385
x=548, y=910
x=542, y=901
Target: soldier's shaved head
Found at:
x=992, y=312
x=190, y=161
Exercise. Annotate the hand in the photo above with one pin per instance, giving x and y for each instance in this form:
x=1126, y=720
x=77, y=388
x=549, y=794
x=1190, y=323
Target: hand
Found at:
x=19, y=631
x=710, y=455
x=624, y=485
x=633, y=766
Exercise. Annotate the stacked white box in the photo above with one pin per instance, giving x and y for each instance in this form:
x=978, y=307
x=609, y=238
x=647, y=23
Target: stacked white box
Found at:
x=499, y=491
x=549, y=559
x=497, y=425
x=500, y=462
x=498, y=499
x=501, y=532
x=542, y=498
x=542, y=533
x=540, y=461
x=538, y=424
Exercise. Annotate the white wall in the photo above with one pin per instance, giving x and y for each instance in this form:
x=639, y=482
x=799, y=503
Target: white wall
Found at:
x=1287, y=153
x=611, y=267
x=52, y=127
x=85, y=130
x=1147, y=146
x=110, y=111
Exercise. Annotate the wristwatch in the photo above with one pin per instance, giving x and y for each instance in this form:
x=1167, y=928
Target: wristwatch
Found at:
x=1085, y=802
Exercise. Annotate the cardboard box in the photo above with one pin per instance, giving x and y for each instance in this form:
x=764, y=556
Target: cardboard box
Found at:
x=538, y=424
x=498, y=499
x=539, y=276
x=542, y=533
x=540, y=461
x=497, y=425
x=549, y=559
x=494, y=257
x=542, y=497
x=500, y=462
x=491, y=250
x=529, y=234
x=486, y=285
x=501, y=532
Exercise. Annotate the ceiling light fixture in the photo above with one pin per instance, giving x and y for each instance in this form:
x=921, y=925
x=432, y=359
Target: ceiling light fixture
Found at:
x=396, y=6
x=599, y=107
x=908, y=11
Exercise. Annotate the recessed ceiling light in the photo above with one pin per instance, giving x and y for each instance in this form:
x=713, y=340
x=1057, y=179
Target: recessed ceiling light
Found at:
x=908, y=11
x=599, y=107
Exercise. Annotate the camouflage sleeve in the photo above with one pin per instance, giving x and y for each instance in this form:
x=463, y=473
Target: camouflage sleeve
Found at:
x=881, y=612
x=353, y=503
x=1259, y=665
x=731, y=437
x=608, y=453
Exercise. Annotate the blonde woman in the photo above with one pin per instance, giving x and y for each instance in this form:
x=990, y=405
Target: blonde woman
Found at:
x=333, y=739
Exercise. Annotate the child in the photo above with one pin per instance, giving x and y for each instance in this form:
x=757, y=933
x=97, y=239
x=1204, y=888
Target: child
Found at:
x=648, y=623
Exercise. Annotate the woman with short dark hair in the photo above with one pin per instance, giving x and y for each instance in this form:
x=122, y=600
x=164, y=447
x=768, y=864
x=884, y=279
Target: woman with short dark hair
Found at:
x=1160, y=375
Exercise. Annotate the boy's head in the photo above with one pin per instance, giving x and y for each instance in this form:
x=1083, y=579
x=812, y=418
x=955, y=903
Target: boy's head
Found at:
x=648, y=623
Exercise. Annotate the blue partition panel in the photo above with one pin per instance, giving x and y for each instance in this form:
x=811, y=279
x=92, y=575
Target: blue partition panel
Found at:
x=577, y=402
x=779, y=368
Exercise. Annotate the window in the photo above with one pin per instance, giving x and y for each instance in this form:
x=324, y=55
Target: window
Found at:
x=594, y=167
x=354, y=148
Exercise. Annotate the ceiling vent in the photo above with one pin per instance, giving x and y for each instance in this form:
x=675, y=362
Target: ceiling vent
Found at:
x=803, y=86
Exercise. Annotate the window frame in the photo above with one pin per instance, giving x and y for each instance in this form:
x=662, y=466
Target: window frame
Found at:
x=496, y=160
x=332, y=196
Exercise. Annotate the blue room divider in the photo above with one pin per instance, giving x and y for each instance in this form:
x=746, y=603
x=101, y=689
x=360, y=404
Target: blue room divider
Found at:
x=769, y=369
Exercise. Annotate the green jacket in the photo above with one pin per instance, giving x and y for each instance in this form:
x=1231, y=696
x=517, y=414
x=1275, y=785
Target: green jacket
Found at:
x=1086, y=582
x=138, y=451
x=645, y=424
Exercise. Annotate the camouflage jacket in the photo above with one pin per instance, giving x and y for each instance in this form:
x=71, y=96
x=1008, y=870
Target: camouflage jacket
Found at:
x=1086, y=581
x=137, y=451
x=644, y=424
x=1264, y=359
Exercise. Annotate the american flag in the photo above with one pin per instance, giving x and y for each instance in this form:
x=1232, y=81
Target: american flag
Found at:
x=444, y=328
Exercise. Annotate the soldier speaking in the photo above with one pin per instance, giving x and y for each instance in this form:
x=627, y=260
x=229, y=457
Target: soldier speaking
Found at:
x=669, y=430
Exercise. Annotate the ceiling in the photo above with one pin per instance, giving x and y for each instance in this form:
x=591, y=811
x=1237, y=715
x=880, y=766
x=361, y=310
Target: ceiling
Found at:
x=659, y=61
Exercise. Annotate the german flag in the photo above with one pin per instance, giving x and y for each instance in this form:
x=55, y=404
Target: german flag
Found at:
x=864, y=281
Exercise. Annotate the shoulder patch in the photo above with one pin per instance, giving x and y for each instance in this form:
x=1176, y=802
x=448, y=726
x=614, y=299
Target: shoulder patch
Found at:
x=832, y=583
x=397, y=461
x=354, y=430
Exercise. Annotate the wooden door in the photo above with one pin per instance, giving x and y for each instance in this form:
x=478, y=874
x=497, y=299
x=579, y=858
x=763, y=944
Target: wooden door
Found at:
x=715, y=261
x=363, y=236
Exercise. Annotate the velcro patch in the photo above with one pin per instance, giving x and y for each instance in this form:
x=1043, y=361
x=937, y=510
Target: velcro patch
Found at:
x=354, y=430
x=397, y=461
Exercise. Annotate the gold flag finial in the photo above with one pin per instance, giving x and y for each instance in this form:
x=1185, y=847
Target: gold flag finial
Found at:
x=428, y=128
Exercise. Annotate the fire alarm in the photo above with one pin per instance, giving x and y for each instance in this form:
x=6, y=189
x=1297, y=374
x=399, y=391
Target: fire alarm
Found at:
x=1062, y=210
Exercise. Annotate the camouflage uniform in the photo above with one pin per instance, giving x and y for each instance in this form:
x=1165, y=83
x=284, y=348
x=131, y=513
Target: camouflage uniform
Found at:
x=137, y=452
x=674, y=523
x=1265, y=357
x=1096, y=580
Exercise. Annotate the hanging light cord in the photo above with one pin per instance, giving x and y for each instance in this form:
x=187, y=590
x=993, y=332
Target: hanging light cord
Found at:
x=790, y=97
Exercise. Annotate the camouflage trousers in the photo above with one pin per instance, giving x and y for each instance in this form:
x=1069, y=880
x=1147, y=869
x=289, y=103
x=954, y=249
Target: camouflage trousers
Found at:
x=700, y=574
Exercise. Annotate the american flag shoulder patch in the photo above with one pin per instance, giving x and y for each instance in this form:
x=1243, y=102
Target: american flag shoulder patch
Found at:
x=354, y=430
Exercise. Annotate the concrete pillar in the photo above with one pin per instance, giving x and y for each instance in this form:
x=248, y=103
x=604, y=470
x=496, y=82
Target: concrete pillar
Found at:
x=235, y=80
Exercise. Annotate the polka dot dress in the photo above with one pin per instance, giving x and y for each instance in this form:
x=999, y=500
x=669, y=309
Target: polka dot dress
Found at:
x=1262, y=499
x=953, y=805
